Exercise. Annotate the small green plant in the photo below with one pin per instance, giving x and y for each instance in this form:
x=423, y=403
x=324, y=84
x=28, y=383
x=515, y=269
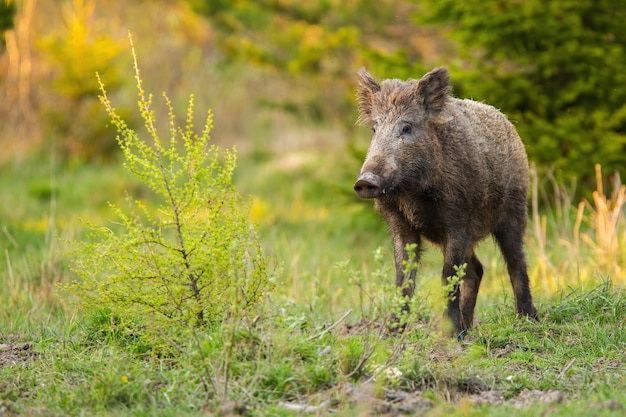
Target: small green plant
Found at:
x=373, y=290
x=378, y=294
x=454, y=282
x=402, y=305
x=193, y=261
x=410, y=264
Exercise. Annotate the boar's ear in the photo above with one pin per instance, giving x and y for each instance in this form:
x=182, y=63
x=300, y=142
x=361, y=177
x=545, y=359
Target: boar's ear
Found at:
x=433, y=90
x=367, y=88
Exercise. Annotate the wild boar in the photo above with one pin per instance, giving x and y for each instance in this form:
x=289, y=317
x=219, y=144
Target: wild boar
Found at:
x=451, y=171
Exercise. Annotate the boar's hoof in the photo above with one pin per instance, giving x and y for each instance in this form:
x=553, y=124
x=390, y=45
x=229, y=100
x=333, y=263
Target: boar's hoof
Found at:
x=367, y=186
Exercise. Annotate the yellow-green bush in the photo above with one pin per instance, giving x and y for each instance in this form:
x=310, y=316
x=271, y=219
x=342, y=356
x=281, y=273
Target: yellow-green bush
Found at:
x=190, y=262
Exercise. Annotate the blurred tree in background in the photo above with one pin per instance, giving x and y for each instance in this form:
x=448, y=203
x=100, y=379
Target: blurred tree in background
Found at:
x=557, y=69
x=79, y=50
x=48, y=91
x=318, y=44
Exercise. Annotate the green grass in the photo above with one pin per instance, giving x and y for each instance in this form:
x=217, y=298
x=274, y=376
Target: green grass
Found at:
x=572, y=351
x=319, y=340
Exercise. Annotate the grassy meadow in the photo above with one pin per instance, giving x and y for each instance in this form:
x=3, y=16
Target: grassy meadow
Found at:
x=318, y=343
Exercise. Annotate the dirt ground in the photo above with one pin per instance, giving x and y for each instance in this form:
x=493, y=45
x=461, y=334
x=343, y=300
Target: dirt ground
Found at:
x=15, y=352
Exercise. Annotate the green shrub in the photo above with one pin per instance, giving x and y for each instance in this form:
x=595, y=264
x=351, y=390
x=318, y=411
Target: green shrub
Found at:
x=192, y=261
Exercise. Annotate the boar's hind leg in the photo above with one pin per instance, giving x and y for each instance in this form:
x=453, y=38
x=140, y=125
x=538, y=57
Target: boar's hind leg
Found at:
x=509, y=239
x=469, y=289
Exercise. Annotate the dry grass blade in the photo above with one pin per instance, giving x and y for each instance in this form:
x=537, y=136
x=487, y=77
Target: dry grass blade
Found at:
x=594, y=240
x=608, y=232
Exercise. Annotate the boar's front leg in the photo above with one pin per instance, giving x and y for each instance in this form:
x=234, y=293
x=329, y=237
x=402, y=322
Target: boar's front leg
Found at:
x=455, y=250
x=404, y=281
x=403, y=234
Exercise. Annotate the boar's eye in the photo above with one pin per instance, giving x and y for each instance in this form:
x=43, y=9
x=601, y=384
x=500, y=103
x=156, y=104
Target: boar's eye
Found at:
x=407, y=129
x=373, y=129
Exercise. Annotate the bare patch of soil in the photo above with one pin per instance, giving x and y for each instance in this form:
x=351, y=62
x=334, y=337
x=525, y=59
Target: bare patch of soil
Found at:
x=524, y=399
x=397, y=403
x=13, y=353
x=387, y=403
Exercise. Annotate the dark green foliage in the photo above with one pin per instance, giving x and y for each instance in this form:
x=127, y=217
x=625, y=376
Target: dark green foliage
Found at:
x=557, y=69
x=7, y=14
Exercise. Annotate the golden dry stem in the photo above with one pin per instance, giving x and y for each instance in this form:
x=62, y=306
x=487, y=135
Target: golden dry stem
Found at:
x=607, y=235
x=593, y=246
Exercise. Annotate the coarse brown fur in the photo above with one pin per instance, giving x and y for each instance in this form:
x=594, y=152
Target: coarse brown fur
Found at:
x=452, y=171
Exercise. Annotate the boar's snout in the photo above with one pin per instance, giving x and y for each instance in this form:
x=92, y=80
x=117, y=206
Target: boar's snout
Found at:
x=368, y=186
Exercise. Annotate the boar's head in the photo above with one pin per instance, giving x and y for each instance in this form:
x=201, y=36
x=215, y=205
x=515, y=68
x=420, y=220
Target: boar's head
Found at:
x=404, y=149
